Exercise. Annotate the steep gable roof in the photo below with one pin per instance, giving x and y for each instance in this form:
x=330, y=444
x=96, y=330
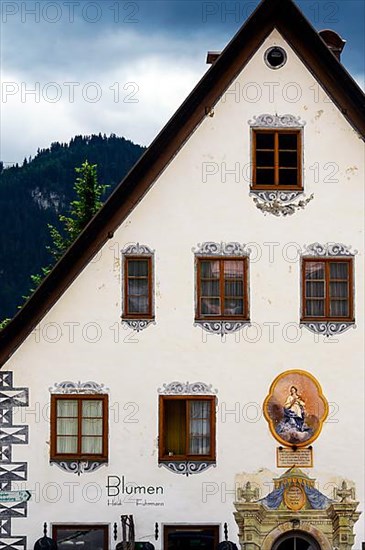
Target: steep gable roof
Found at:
x=283, y=15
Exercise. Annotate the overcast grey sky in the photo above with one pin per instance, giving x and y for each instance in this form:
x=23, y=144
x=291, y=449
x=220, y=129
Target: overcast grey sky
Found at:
x=114, y=66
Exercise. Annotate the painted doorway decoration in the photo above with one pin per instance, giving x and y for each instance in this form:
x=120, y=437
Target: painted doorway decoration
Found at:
x=295, y=408
x=294, y=507
x=295, y=491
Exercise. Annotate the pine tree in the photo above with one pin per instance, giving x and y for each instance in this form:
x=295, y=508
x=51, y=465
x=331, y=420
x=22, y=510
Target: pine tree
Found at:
x=86, y=205
x=88, y=202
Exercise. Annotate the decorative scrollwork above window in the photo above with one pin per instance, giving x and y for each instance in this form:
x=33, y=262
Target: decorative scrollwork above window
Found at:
x=78, y=387
x=328, y=250
x=187, y=468
x=187, y=388
x=78, y=466
x=275, y=121
x=136, y=249
x=221, y=249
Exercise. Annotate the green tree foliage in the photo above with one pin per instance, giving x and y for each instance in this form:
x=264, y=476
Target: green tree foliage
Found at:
x=82, y=209
x=33, y=196
x=4, y=323
x=88, y=202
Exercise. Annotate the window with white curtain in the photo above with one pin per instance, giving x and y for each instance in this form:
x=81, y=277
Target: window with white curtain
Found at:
x=187, y=427
x=222, y=288
x=79, y=427
x=327, y=292
x=138, y=287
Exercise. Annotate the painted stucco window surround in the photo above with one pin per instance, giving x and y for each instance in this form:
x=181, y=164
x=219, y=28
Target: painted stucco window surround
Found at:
x=222, y=304
x=277, y=164
x=79, y=426
x=187, y=418
x=327, y=288
x=138, y=286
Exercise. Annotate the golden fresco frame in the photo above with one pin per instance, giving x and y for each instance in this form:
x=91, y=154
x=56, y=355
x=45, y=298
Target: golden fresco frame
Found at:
x=295, y=408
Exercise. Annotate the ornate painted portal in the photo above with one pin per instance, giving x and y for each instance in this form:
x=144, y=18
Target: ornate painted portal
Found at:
x=295, y=509
x=295, y=408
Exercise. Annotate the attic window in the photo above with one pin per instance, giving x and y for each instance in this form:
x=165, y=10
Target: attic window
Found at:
x=276, y=159
x=275, y=57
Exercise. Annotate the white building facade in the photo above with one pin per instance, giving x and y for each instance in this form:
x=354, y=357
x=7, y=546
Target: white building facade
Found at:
x=143, y=387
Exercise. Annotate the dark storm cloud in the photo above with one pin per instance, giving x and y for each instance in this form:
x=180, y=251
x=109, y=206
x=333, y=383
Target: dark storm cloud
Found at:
x=155, y=46
x=66, y=32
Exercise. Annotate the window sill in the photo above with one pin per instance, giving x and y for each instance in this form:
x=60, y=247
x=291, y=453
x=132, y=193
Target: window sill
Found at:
x=138, y=324
x=221, y=326
x=326, y=327
x=78, y=466
x=187, y=467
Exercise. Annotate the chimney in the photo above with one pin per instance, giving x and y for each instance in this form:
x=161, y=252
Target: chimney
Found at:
x=333, y=41
x=212, y=57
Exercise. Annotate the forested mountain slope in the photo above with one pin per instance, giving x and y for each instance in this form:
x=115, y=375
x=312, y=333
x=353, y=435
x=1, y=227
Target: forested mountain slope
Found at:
x=34, y=194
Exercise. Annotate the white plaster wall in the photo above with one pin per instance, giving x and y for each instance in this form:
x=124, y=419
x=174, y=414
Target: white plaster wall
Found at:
x=179, y=212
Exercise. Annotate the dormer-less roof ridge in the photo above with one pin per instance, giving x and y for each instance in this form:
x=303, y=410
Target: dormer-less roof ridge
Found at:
x=283, y=15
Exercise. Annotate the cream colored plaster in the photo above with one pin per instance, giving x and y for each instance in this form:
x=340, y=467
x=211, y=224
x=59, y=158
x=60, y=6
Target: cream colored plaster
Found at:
x=179, y=212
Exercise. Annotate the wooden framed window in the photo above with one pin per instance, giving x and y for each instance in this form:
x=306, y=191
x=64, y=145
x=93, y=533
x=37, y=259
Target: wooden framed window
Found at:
x=222, y=288
x=187, y=428
x=327, y=289
x=79, y=427
x=138, y=287
x=87, y=537
x=191, y=537
x=277, y=159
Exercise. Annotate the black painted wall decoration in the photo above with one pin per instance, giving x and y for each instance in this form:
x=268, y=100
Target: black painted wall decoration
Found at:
x=10, y=434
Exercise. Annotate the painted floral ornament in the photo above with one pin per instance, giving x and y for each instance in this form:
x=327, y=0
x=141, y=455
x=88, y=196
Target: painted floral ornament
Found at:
x=295, y=408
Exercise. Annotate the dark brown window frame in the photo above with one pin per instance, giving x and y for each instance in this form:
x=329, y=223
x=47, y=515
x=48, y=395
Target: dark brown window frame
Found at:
x=126, y=314
x=277, y=186
x=191, y=457
x=177, y=527
x=204, y=317
x=103, y=457
x=327, y=262
x=82, y=527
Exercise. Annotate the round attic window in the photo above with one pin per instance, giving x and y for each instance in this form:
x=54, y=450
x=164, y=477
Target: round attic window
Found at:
x=275, y=57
